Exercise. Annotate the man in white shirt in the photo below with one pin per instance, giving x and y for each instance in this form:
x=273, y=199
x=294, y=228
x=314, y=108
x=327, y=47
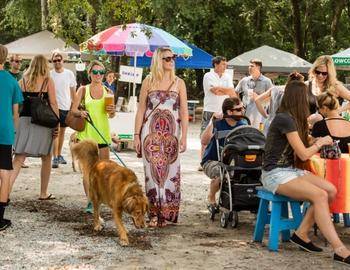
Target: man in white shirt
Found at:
x=217, y=86
x=65, y=85
x=252, y=86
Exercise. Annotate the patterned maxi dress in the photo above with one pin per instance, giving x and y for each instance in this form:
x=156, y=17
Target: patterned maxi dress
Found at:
x=160, y=152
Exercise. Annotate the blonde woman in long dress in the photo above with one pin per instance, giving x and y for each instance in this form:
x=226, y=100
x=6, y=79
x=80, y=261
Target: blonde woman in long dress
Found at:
x=160, y=134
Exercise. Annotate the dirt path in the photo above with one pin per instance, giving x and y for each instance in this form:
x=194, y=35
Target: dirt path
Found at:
x=58, y=234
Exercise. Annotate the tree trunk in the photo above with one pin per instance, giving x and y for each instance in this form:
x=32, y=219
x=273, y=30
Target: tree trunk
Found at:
x=338, y=5
x=44, y=13
x=297, y=35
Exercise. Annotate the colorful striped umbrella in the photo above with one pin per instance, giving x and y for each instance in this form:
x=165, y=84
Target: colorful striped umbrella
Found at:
x=133, y=40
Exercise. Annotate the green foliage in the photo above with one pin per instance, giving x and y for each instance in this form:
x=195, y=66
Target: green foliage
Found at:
x=221, y=27
x=69, y=19
x=19, y=17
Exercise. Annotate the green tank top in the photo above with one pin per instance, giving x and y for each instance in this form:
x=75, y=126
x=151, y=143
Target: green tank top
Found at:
x=99, y=116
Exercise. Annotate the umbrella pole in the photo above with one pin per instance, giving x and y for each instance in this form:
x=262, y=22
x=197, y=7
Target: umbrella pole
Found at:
x=134, y=86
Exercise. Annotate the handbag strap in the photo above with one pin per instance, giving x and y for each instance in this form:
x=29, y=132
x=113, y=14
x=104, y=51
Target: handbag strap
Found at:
x=82, y=99
x=43, y=86
x=155, y=107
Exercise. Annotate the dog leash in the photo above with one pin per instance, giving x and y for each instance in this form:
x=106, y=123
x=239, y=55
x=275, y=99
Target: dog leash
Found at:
x=89, y=120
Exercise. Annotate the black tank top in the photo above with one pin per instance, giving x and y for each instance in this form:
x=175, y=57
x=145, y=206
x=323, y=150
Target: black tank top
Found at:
x=27, y=99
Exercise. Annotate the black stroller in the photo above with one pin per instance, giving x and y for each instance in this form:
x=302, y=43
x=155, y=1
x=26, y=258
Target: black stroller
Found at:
x=241, y=161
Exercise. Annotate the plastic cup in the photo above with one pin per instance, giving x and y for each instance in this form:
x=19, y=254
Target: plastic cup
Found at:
x=109, y=100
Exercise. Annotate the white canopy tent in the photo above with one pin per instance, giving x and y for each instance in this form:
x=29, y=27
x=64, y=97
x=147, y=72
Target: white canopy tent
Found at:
x=43, y=42
x=273, y=60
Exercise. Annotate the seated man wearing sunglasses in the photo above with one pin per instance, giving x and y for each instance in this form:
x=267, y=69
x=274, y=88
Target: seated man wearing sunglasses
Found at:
x=230, y=107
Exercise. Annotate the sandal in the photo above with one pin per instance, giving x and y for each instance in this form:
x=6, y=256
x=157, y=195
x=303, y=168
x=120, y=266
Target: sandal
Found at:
x=50, y=197
x=153, y=223
x=213, y=208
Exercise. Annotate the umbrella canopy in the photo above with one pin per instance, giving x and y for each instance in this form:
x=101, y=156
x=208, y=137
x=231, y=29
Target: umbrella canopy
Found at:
x=273, y=60
x=134, y=39
x=342, y=58
x=199, y=60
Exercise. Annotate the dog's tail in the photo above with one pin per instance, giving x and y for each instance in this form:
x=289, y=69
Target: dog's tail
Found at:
x=86, y=152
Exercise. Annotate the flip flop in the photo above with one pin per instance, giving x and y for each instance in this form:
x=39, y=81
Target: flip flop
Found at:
x=50, y=197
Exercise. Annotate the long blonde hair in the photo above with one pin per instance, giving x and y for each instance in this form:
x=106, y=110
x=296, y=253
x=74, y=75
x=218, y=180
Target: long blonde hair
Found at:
x=331, y=81
x=157, y=71
x=39, y=66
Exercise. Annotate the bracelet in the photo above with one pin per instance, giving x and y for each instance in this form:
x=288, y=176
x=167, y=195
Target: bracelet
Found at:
x=136, y=133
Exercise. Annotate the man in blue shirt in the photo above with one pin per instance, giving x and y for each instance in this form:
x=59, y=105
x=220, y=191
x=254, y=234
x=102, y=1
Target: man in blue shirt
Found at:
x=10, y=97
x=230, y=106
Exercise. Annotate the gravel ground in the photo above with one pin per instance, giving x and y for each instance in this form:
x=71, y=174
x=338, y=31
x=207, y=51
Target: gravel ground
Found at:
x=57, y=234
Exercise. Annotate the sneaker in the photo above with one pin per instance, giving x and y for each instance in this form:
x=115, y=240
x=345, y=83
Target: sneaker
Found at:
x=61, y=160
x=89, y=209
x=310, y=247
x=4, y=223
x=55, y=163
x=200, y=168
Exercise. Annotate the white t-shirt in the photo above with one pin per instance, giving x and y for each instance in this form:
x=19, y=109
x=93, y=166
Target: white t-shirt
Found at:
x=212, y=102
x=63, y=81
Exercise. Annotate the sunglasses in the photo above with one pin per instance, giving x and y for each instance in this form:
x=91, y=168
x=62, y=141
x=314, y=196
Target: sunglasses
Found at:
x=320, y=72
x=56, y=61
x=98, y=71
x=169, y=58
x=240, y=109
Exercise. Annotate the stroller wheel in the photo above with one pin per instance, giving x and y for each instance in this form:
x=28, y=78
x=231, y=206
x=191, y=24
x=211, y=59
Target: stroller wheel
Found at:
x=234, y=223
x=224, y=219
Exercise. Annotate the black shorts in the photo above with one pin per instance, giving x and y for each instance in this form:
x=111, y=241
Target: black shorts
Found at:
x=6, y=157
x=102, y=145
x=63, y=116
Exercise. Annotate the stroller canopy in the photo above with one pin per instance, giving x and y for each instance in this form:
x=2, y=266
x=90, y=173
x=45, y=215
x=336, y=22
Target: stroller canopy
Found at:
x=245, y=137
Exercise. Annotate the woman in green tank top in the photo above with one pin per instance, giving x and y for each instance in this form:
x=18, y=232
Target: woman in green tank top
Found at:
x=93, y=98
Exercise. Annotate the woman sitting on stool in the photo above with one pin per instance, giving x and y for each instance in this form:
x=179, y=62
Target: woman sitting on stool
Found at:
x=333, y=124
x=287, y=138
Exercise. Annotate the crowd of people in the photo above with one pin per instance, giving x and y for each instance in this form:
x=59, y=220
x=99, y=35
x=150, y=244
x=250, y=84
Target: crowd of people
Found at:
x=298, y=119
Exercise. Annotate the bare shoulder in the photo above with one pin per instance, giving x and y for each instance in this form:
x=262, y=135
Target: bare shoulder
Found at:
x=181, y=83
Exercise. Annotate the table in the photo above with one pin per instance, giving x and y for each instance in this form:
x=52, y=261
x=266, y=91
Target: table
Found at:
x=192, y=108
x=337, y=172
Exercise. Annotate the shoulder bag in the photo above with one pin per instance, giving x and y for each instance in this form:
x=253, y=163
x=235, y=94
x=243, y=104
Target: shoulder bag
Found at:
x=41, y=110
x=76, y=122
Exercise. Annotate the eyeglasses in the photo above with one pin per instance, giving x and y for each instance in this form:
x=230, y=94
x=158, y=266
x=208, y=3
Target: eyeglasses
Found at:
x=320, y=72
x=98, y=71
x=16, y=61
x=56, y=61
x=240, y=109
x=169, y=58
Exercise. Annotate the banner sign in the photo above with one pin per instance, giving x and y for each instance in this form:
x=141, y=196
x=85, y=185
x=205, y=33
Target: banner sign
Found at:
x=341, y=61
x=127, y=74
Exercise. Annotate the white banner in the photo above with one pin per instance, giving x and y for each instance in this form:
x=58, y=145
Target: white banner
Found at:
x=127, y=74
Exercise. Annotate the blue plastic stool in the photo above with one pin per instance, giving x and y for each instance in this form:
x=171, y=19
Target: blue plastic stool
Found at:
x=278, y=219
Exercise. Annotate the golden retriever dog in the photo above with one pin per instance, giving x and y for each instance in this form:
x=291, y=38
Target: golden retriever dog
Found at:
x=113, y=185
x=72, y=141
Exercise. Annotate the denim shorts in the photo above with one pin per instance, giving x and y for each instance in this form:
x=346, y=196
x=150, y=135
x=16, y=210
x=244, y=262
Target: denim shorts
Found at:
x=278, y=176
